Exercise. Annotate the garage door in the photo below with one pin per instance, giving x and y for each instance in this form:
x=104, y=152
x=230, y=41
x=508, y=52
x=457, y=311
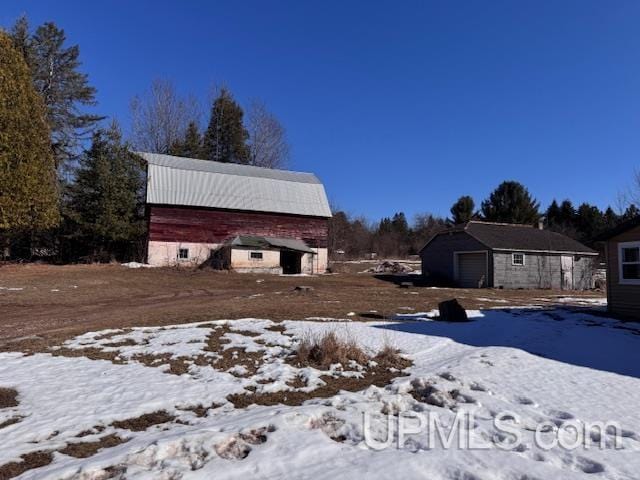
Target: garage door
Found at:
x=472, y=270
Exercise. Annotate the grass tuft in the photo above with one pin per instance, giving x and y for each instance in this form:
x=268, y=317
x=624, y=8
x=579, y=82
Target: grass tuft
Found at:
x=328, y=349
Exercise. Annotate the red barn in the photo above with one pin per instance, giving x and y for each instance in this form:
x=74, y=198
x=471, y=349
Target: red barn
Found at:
x=236, y=216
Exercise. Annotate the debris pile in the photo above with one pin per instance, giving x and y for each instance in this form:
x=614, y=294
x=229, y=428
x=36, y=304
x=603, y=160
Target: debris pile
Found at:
x=390, y=267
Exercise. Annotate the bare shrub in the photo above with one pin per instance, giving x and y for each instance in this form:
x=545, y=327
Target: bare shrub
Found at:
x=328, y=349
x=389, y=357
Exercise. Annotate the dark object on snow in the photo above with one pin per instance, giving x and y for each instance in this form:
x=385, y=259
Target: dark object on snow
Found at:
x=303, y=289
x=452, y=311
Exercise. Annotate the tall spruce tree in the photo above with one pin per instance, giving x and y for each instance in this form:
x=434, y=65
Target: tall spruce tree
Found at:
x=64, y=89
x=611, y=219
x=28, y=187
x=511, y=202
x=106, y=197
x=462, y=210
x=631, y=212
x=191, y=145
x=589, y=222
x=553, y=214
x=226, y=137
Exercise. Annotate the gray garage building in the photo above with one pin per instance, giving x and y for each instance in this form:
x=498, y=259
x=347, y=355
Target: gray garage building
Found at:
x=482, y=254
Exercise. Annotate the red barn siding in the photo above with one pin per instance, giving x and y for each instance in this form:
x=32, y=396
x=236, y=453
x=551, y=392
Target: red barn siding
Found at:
x=201, y=225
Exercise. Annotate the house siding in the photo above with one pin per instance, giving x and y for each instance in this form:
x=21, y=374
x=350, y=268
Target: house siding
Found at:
x=541, y=270
x=437, y=256
x=623, y=300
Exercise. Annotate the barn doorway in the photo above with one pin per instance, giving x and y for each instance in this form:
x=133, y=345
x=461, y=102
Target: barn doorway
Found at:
x=291, y=262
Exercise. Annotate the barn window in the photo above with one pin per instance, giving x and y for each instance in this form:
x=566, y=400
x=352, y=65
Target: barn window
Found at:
x=255, y=256
x=183, y=253
x=629, y=256
x=517, y=259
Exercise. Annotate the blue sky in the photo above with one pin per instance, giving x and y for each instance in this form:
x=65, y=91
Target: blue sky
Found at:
x=396, y=106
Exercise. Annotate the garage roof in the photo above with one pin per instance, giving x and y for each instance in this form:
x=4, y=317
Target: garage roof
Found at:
x=202, y=183
x=506, y=236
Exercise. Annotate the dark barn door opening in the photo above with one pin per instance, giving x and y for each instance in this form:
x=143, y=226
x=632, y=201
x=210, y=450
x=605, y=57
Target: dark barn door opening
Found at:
x=291, y=262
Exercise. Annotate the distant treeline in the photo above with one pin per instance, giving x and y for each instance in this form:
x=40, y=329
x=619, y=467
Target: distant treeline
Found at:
x=510, y=202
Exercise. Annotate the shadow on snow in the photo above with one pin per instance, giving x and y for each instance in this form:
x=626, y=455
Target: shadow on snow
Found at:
x=576, y=336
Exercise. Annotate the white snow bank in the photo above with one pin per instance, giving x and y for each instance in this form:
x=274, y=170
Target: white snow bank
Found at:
x=553, y=365
x=137, y=265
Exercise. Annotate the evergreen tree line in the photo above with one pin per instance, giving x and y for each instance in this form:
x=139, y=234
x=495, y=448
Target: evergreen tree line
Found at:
x=71, y=188
x=510, y=202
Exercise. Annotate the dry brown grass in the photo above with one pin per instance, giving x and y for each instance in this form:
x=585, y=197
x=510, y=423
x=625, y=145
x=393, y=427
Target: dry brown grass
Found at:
x=377, y=376
x=390, y=357
x=143, y=422
x=28, y=462
x=200, y=410
x=88, y=449
x=321, y=352
x=8, y=397
x=96, y=297
x=328, y=349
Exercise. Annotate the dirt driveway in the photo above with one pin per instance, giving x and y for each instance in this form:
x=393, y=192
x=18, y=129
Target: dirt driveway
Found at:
x=42, y=304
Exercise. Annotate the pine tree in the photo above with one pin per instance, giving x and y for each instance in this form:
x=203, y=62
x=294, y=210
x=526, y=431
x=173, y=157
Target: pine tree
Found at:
x=462, y=210
x=64, y=90
x=226, y=138
x=631, y=212
x=567, y=214
x=191, y=145
x=589, y=222
x=553, y=214
x=28, y=188
x=399, y=224
x=611, y=219
x=106, y=197
x=511, y=202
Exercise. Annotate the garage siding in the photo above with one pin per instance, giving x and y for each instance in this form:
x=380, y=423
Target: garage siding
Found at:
x=541, y=270
x=437, y=256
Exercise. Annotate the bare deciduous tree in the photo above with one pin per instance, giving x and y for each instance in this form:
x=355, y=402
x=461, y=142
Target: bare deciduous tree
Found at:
x=160, y=117
x=268, y=144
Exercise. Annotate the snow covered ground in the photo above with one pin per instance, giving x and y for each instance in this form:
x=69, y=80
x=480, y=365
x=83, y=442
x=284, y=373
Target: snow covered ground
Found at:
x=561, y=366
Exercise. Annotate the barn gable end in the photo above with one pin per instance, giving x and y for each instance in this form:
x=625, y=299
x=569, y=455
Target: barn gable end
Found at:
x=195, y=208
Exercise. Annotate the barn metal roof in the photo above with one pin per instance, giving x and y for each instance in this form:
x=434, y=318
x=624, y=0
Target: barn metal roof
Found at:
x=201, y=183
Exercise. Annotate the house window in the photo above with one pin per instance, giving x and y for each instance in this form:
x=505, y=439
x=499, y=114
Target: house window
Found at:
x=255, y=256
x=629, y=255
x=183, y=253
x=517, y=259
